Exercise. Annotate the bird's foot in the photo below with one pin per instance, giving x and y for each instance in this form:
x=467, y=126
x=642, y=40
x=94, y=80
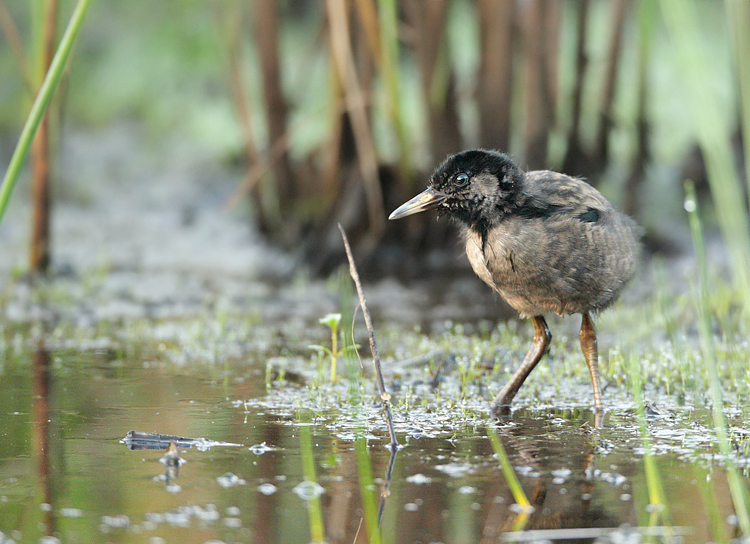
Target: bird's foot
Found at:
x=598, y=417
x=500, y=410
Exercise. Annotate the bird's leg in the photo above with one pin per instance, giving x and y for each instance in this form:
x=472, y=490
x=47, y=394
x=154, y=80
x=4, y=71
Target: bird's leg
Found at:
x=538, y=348
x=591, y=353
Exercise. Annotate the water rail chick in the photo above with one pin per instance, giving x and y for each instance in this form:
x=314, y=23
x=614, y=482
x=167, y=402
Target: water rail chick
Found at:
x=544, y=241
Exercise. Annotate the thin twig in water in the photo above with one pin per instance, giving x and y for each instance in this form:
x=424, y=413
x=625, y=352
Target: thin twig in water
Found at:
x=373, y=345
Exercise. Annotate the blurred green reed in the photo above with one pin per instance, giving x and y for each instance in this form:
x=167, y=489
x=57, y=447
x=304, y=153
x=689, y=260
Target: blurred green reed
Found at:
x=658, y=509
x=367, y=491
x=704, y=480
x=389, y=37
x=510, y=477
x=738, y=15
x=41, y=102
x=317, y=532
x=703, y=309
x=714, y=139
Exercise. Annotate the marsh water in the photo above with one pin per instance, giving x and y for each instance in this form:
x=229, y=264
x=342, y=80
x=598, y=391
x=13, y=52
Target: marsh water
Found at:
x=66, y=469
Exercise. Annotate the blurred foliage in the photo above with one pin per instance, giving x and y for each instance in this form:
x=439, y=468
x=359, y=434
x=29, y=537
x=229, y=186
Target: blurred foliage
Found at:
x=430, y=86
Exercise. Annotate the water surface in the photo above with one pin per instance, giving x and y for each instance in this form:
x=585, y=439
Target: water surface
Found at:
x=65, y=471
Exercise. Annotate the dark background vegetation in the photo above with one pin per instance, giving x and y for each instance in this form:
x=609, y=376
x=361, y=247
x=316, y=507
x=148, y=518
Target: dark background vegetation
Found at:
x=337, y=111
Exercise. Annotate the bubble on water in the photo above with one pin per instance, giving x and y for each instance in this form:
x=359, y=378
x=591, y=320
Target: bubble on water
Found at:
x=308, y=491
x=454, y=469
x=120, y=521
x=267, y=488
x=229, y=480
x=419, y=479
x=518, y=509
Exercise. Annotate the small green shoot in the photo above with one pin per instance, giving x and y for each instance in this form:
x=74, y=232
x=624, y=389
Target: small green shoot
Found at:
x=333, y=321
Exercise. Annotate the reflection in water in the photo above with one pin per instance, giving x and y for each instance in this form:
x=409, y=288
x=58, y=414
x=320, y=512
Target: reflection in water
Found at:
x=386, y=490
x=172, y=461
x=42, y=432
x=268, y=469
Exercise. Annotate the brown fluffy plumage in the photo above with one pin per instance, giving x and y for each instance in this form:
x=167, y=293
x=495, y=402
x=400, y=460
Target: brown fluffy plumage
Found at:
x=544, y=241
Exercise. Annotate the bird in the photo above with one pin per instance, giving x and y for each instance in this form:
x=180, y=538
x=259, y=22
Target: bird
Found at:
x=544, y=241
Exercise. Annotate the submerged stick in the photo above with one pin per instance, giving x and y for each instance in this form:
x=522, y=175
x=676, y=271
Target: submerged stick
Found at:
x=373, y=345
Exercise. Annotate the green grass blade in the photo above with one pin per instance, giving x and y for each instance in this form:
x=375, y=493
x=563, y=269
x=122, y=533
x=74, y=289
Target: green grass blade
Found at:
x=738, y=15
x=510, y=475
x=736, y=484
x=367, y=491
x=43, y=98
x=714, y=515
x=656, y=496
x=317, y=532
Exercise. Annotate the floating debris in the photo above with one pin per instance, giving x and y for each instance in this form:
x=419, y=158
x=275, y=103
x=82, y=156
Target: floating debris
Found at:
x=136, y=440
x=260, y=449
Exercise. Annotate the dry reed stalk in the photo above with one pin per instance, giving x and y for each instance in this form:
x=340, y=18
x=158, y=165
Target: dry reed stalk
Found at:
x=428, y=18
x=574, y=155
x=538, y=109
x=495, y=78
x=16, y=45
x=39, y=260
x=385, y=397
x=266, y=24
x=601, y=153
x=356, y=107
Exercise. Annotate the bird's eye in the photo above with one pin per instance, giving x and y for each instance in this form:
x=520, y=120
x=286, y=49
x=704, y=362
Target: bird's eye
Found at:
x=462, y=180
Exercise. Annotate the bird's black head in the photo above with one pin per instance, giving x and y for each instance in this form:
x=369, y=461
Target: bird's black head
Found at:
x=477, y=187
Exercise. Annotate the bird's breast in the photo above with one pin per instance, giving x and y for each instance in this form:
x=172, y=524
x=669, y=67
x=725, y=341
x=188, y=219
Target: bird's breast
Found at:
x=475, y=247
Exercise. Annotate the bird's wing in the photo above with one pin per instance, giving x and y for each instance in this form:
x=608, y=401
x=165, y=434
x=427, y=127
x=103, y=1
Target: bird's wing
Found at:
x=555, y=252
x=561, y=194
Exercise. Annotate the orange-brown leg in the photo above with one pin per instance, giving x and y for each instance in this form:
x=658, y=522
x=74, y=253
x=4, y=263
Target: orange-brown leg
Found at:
x=591, y=353
x=537, y=350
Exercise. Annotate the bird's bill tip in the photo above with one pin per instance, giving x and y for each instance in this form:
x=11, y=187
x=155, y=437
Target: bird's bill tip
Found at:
x=429, y=198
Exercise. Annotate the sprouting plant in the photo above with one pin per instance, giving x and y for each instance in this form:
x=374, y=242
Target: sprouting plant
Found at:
x=333, y=321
